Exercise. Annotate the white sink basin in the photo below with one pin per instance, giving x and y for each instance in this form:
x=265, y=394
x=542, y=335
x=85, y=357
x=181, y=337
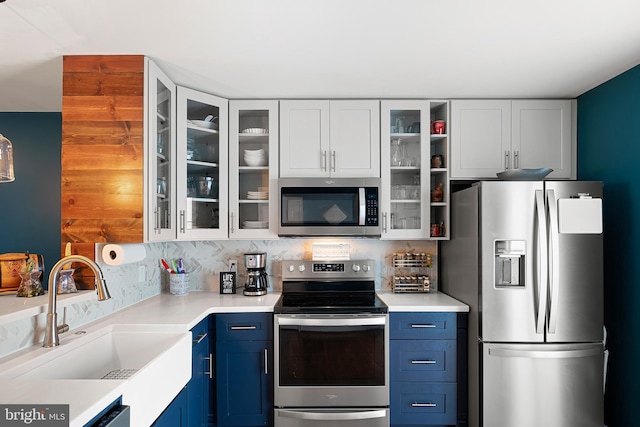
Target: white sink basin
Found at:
x=139, y=357
x=106, y=354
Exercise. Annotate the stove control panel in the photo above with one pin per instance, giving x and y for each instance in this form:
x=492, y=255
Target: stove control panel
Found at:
x=351, y=269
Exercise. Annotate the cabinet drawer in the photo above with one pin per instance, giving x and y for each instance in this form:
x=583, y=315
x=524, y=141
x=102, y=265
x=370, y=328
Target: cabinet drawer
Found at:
x=426, y=360
x=200, y=332
x=423, y=404
x=425, y=326
x=244, y=327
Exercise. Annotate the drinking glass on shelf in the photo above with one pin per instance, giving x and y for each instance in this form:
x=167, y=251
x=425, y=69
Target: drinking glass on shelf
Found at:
x=397, y=152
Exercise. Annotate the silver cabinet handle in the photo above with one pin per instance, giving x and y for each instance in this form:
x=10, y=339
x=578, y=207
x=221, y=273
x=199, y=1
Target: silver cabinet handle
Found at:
x=243, y=328
x=423, y=405
x=516, y=159
x=200, y=338
x=266, y=361
x=183, y=224
x=333, y=161
x=231, y=226
x=157, y=228
x=423, y=362
x=418, y=325
x=210, y=359
x=324, y=160
x=506, y=159
x=384, y=222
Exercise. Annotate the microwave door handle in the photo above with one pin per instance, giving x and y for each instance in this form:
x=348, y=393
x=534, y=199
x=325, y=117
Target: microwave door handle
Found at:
x=362, y=206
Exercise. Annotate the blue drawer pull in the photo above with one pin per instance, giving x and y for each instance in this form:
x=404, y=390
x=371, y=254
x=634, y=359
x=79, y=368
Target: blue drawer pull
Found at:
x=243, y=328
x=423, y=362
x=417, y=325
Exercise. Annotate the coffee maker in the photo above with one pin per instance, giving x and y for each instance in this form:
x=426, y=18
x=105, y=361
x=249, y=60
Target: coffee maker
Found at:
x=257, y=281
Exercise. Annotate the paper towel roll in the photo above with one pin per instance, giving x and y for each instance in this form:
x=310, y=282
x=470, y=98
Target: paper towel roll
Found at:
x=113, y=254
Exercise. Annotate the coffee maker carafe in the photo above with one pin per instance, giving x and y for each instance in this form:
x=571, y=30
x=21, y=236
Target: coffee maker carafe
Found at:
x=257, y=280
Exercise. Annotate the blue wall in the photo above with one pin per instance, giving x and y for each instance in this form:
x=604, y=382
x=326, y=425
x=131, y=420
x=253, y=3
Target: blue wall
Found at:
x=30, y=206
x=609, y=150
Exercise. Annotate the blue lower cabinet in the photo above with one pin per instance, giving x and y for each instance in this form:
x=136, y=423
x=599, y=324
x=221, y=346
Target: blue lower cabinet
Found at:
x=423, y=369
x=199, y=395
x=175, y=415
x=244, y=369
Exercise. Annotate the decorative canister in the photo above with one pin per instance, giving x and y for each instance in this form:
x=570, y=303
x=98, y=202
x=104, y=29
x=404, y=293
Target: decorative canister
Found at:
x=438, y=126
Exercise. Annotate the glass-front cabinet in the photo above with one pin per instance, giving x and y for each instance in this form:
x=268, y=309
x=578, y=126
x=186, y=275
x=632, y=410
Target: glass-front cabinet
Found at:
x=161, y=200
x=202, y=165
x=414, y=169
x=253, y=169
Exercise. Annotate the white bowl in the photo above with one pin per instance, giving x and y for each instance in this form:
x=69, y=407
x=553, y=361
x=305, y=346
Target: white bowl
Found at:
x=205, y=124
x=255, y=162
x=259, y=152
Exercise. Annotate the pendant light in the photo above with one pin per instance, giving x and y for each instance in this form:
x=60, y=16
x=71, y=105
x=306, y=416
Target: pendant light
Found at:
x=6, y=160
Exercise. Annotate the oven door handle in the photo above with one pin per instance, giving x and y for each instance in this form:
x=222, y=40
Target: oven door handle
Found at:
x=348, y=321
x=334, y=416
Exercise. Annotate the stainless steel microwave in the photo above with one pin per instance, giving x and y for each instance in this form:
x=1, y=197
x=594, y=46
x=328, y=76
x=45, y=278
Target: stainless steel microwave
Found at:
x=329, y=207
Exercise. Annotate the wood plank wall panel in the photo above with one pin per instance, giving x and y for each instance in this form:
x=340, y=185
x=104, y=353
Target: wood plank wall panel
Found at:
x=102, y=153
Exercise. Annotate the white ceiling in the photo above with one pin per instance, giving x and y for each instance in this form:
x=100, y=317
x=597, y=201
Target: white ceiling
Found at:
x=327, y=48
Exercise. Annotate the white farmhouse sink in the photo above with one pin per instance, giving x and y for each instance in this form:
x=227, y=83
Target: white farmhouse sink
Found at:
x=107, y=354
x=138, y=356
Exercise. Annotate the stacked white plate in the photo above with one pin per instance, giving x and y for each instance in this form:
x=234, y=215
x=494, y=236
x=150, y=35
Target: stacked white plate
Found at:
x=257, y=195
x=255, y=157
x=255, y=224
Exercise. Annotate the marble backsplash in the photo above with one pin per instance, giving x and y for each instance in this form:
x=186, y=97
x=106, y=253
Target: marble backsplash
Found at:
x=203, y=260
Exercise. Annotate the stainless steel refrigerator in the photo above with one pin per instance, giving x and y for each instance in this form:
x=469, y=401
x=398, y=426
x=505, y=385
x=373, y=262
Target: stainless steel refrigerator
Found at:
x=526, y=256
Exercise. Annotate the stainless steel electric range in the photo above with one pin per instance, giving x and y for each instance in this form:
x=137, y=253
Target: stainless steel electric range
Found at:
x=331, y=338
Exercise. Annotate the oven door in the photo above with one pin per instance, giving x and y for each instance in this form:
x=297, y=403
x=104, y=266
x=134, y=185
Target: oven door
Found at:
x=331, y=360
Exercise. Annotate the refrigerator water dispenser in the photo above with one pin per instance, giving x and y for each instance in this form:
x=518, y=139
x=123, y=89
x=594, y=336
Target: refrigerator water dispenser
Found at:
x=509, y=263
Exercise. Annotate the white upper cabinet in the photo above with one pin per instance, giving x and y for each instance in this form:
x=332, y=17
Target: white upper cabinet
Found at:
x=489, y=136
x=329, y=138
x=253, y=169
x=541, y=136
x=202, y=172
x=161, y=194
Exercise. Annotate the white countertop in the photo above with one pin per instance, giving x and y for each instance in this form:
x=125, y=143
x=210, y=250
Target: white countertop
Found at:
x=421, y=301
x=171, y=313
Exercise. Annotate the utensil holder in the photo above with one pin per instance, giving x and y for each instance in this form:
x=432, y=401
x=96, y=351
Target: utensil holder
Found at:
x=179, y=284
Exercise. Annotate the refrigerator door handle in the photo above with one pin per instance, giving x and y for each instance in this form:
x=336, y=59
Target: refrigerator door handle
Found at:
x=554, y=268
x=542, y=262
x=545, y=354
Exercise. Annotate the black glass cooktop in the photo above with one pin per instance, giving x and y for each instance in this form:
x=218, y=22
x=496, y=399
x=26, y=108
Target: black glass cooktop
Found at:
x=329, y=297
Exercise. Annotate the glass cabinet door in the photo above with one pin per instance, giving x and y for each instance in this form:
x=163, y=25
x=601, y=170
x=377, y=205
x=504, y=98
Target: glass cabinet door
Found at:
x=415, y=173
x=202, y=165
x=405, y=153
x=161, y=221
x=253, y=176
